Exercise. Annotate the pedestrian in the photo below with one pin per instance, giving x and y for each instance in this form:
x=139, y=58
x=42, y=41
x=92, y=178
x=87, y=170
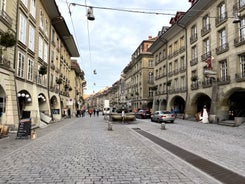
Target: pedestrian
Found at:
x=97, y=111
x=123, y=116
x=69, y=112
x=90, y=111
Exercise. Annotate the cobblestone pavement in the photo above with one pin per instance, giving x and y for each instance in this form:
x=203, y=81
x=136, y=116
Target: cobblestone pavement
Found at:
x=82, y=150
x=222, y=145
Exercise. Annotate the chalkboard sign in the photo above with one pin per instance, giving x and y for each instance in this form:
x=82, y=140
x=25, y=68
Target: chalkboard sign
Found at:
x=24, y=128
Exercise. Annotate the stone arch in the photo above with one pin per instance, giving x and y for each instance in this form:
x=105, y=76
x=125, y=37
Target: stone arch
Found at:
x=199, y=101
x=234, y=103
x=24, y=100
x=177, y=104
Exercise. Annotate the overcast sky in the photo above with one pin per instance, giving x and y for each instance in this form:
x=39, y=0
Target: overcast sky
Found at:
x=107, y=43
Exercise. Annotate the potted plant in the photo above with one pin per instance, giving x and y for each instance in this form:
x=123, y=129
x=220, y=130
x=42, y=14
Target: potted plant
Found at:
x=194, y=78
x=70, y=88
x=42, y=70
x=59, y=81
x=7, y=39
x=137, y=93
x=168, y=83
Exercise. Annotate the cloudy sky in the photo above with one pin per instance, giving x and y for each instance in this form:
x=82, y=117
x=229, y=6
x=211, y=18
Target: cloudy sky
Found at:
x=107, y=43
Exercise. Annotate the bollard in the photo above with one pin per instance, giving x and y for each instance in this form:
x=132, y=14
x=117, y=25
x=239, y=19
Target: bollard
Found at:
x=163, y=126
x=34, y=134
x=109, y=125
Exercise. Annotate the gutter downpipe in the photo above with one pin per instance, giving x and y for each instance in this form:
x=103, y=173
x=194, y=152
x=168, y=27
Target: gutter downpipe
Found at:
x=186, y=52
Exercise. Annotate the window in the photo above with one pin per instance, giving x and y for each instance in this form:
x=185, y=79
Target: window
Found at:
x=25, y=2
x=223, y=70
x=176, y=83
x=52, y=36
x=205, y=22
x=46, y=27
x=41, y=19
x=151, y=78
x=222, y=37
x=22, y=30
x=194, y=31
x=20, y=65
x=40, y=49
x=242, y=65
x=176, y=65
x=150, y=63
x=33, y=8
x=222, y=11
x=182, y=62
x=31, y=38
x=170, y=50
x=242, y=29
x=3, y=5
x=45, y=54
x=182, y=42
x=182, y=82
x=175, y=46
x=241, y=3
x=206, y=46
x=30, y=69
x=194, y=52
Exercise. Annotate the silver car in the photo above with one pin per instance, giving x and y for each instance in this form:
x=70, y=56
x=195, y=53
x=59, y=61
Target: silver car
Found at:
x=163, y=116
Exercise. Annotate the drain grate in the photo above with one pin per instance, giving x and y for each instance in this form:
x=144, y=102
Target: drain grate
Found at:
x=220, y=173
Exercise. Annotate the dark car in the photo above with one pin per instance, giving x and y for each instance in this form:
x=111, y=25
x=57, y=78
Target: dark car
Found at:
x=143, y=114
x=163, y=116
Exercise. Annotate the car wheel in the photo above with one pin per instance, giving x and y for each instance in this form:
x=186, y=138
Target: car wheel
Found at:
x=172, y=121
x=151, y=120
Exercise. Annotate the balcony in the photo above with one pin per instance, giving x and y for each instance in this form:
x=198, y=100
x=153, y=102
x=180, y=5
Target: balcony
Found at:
x=223, y=48
x=194, y=61
x=4, y=63
x=240, y=77
x=239, y=41
x=223, y=80
x=205, y=56
x=193, y=38
x=182, y=49
x=207, y=83
x=194, y=85
x=221, y=19
x=205, y=30
x=5, y=18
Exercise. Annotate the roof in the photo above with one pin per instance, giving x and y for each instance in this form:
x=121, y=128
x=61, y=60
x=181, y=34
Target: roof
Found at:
x=60, y=26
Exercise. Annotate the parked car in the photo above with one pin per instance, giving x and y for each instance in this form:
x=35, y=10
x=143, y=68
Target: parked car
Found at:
x=163, y=116
x=143, y=114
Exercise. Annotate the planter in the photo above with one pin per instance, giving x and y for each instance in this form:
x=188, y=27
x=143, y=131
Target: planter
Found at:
x=7, y=39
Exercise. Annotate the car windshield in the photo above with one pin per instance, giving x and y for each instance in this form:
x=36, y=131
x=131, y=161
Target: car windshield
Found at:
x=166, y=112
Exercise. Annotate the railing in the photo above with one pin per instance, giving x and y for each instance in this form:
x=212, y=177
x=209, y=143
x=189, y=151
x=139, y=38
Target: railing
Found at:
x=194, y=61
x=4, y=62
x=239, y=41
x=6, y=17
x=206, y=56
x=205, y=30
x=223, y=48
x=224, y=80
x=221, y=19
x=193, y=38
x=240, y=77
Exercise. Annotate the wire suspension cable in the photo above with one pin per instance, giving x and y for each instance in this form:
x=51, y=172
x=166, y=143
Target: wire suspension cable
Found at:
x=122, y=10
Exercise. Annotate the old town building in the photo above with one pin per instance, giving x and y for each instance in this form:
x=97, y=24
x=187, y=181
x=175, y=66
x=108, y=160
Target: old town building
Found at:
x=198, y=61
x=37, y=82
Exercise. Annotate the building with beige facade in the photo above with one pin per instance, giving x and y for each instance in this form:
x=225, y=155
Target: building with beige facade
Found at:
x=198, y=62
x=204, y=61
x=8, y=100
x=39, y=77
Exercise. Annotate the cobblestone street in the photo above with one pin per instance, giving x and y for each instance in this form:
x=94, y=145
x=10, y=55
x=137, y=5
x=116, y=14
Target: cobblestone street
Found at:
x=82, y=150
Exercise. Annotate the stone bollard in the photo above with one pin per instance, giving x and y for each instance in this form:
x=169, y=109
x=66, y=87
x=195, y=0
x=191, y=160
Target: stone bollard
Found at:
x=163, y=126
x=109, y=125
x=34, y=134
